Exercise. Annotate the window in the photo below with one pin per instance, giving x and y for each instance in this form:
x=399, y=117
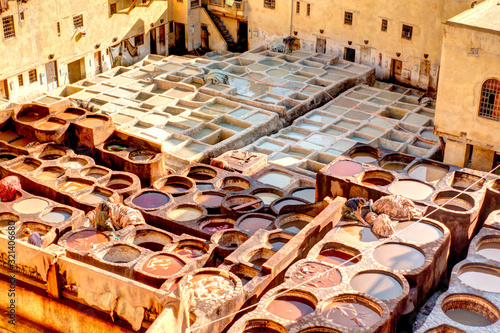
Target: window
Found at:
x=308, y=9
x=21, y=16
x=407, y=32
x=297, y=9
x=490, y=100
x=474, y=51
x=348, y=18
x=8, y=27
x=384, y=25
x=32, y=76
x=195, y=3
x=112, y=9
x=139, y=40
x=216, y=2
x=20, y=80
x=269, y=4
x=58, y=26
x=78, y=21
x=170, y=26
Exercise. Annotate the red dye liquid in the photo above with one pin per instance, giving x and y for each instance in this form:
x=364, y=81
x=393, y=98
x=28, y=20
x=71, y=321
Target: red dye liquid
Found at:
x=85, y=240
x=345, y=168
x=163, y=265
x=150, y=200
x=212, y=228
x=290, y=307
x=252, y=224
x=336, y=257
x=308, y=270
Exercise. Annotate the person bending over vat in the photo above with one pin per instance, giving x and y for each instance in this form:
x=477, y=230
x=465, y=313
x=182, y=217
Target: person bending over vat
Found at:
x=34, y=238
x=9, y=187
x=112, y=217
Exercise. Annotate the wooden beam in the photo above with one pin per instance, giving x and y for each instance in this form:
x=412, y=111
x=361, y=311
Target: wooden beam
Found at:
x=131, y=7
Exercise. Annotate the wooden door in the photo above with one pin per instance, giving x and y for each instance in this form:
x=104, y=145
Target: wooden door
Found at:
x=4, y=91
x=51, y=70
x=398, y=67
x=97, y=63
x=320, y=45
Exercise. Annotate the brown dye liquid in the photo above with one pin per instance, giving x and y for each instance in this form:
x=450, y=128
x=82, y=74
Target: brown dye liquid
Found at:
x=293, y=227
x=49, y=125
x=163, y=265
x=350, y=315
x=189, y=251
x=209, y=200
x=466, y=317
x=233, y=188
x=49, y=174
x=337, y=257
x=175, y=188
x=378, y=285
x=200, y=176
x=428, y=172
x=307, y=271
x=252, y=224
x=290, y=307
x=92, y=122
x=151, y=200
x=7, y=222
x=259, y=261
x=260, y=330
x=394, y=166
x=72, y=186
x=86, y=240
x=345, y=168
x=153, y=246
x=142, y=157
x=212, y=228
x=68, y=115
x=25, y=167
x=7, y=157
x=31, y=116
x=364, y=157
x=50, y=157
x=376, y=181
x=398, y=256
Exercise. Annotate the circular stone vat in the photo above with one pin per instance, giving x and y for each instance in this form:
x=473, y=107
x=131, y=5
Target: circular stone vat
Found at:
x=377, y=178
x=278, y=179
x=356, y=235
x=395, y=162
x=263, y=326
x=210, y=199
x=210, y=285
x=202, y=173
x=345, y=168
x=398, y=256
x=27, y=165
x=177, y=185
x=232, y=239
x=50, y=173
x=151, y=239
x=470, y=310
x=379, y=285
x=41, y=228
x=7, y=156
x=411, y=189
x=96, y=197
x=462, y=181
x=7, y=219
x=338, y=254
x=365, y=154
x=268, y=195
x=30, y=206
x=278, y=204
x=427, y=172
x=94, y=172
x=190, y=249
x=119, y=254
x=31, y=113
x=292, y=223
x=119, y=182
x=116, y=146
x=73, y=185
x=481, y=277
x=71, y=113
x=462, y=203
x=151, y=200
x=50, y=124
x=93, y=121
x=185, y=212
x=250, y=223
x=305, y=273
x=234, y=184
x=86, y=240
x=236, y=205
x=142, y=155
x=75, y=163
x=163, y=265
x=277, y=242
x=489, y=247
x=307, y=193
x=292, y=306
x=57, y=215
x=52, y=153
x=213, y=224
x=352, y=311
x=204, y=186
x=419, y=232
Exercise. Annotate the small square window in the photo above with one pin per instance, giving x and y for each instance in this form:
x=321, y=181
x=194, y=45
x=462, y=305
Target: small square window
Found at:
x=112, y=9
x=170, y=26
x=32, y=76
x=78, y=21
x=21, y=16
x=297, y=9
x=348, y=18
x=407, y=32
x=20, y=80
x=195, y=3
x=308, y=9
x=8, y=27
x=58, y=27
x=474, y=51
x=384, y=25
x=270, y=4
x=139, y=40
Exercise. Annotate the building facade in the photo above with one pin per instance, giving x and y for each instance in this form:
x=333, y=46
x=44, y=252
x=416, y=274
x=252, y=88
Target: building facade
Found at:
x=49, y=43
x=468, y=104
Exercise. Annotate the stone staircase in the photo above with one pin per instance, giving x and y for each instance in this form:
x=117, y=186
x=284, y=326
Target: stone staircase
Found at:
x=231, y=44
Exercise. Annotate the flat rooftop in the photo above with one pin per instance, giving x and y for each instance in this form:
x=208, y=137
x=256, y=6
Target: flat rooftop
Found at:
x=486, y=16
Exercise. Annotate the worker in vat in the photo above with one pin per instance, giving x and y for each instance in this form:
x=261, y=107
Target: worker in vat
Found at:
x=34, y=238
